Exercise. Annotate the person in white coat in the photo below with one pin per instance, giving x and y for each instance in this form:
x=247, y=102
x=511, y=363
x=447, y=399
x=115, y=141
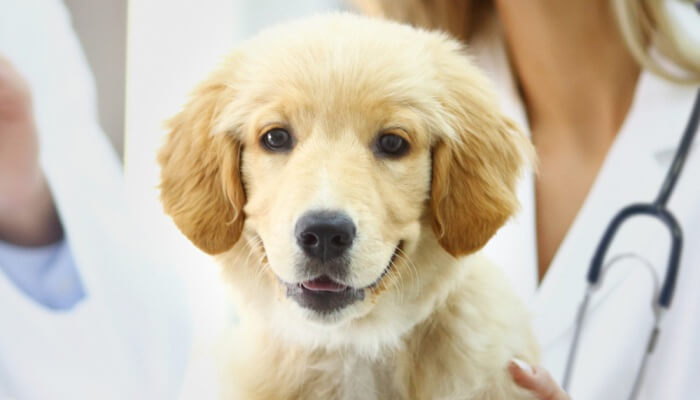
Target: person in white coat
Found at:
x=87, y=310
x=605, y=89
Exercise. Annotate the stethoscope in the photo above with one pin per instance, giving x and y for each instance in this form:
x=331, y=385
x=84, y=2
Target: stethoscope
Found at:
x=658, y=209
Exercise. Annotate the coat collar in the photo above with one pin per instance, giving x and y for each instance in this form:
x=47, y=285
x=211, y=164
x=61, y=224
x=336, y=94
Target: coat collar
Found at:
x=632, y=172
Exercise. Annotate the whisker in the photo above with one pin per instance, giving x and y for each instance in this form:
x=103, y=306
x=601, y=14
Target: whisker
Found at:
x=260, y=264
x=263, y=266
x=395, y=281
x=394, y=276
x=413, y=269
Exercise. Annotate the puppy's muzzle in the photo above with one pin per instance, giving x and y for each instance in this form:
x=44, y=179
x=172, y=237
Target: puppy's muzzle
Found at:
x=324, y=235
x=325, y=238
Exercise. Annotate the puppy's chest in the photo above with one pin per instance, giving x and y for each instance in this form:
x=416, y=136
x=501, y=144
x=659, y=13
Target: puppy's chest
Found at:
x=355, y=379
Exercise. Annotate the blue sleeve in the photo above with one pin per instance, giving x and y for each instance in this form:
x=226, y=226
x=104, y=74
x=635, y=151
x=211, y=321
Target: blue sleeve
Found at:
x=47, y=275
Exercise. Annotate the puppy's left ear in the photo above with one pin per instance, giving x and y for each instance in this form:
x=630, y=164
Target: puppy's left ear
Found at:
x=201, y=186
x=476, y=163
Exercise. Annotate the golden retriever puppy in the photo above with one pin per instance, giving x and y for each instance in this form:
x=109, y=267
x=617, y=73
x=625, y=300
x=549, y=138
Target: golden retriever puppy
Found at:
x=344, y=171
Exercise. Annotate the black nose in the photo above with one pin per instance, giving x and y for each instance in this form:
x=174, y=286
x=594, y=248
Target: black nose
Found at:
x=325, y=234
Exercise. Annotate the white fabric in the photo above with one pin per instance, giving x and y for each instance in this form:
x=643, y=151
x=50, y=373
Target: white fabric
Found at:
x=130, y=338
x=619, y=318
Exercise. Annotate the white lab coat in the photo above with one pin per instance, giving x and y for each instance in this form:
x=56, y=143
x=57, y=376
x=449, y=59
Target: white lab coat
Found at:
x=619, y=317
x=129, y=338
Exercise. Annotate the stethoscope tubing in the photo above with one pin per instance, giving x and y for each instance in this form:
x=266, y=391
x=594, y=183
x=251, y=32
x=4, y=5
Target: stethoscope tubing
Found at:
x=658, y=209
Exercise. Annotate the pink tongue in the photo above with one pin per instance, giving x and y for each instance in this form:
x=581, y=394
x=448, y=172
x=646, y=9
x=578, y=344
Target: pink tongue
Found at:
x=323, y=284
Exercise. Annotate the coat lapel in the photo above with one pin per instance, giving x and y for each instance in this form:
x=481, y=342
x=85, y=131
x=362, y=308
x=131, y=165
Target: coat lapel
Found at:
x=632, y=172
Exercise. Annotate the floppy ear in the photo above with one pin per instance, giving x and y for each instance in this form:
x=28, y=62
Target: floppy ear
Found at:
x=201, y=186
x=476, y=164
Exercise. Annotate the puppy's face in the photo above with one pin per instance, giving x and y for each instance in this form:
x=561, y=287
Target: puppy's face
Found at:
x=337, y=177
x=331, y=151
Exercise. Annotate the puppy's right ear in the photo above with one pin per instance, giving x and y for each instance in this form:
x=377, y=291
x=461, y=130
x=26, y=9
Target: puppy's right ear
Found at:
x=201, y=185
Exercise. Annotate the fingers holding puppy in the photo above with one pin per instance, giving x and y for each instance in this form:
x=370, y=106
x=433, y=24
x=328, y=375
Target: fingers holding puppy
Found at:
x=537, y=380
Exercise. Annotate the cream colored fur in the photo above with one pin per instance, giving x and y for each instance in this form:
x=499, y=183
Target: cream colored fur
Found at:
x=437, y=321
x=451, y=338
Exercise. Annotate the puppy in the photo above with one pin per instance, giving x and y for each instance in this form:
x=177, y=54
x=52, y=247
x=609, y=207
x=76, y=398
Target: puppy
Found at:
x=344, y=171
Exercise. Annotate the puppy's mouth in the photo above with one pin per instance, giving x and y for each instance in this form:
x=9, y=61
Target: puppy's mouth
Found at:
x=323, y=284
x=326, y=295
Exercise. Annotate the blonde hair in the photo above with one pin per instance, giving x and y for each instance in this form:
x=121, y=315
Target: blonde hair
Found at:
x=640, y=22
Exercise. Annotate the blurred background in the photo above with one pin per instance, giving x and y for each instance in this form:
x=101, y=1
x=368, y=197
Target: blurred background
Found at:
x=101, y=27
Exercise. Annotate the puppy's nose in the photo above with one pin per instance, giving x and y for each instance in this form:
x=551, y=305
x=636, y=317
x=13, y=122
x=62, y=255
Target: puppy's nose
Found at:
x=325, y=234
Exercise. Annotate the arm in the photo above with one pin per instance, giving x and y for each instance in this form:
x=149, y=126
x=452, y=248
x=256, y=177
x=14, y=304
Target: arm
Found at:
x=28, y=218
x=27, y=213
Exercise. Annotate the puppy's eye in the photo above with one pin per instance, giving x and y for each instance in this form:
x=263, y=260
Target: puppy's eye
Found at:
x=391, y=145
x=277, y=139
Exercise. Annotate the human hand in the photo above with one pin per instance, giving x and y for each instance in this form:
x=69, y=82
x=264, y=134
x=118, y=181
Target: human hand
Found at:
x=537, y=380
x=27, y=214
